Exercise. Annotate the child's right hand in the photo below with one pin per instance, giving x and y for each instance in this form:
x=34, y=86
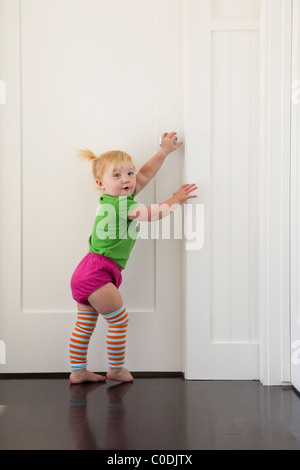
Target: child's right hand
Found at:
x=158, y=211
x=184, y=193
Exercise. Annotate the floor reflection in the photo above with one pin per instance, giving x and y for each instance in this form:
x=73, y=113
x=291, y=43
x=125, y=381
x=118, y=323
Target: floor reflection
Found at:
x=114, y=415
x=160, y=413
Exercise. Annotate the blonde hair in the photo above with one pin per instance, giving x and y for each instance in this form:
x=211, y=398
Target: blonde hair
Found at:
x=101, y=163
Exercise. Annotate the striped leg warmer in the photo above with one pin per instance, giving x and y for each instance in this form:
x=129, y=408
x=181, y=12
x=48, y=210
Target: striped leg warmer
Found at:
x=116, y=337
x=79, y=341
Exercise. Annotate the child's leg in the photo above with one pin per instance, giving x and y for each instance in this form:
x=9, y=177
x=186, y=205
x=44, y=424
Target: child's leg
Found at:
x=108, y=301
x=79, y=342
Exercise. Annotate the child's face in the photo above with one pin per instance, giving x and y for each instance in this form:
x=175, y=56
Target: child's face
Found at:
x=118, y=182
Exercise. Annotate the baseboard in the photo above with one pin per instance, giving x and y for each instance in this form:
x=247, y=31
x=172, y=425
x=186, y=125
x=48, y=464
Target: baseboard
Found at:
x=65, y=375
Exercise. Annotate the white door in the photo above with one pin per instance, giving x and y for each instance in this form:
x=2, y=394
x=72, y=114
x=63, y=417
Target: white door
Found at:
x=295, y=201
x=102, y=75
x=222, y=151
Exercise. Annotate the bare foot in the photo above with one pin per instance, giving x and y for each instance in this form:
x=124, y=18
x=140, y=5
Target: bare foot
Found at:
x=83, y=375
x=120, y=375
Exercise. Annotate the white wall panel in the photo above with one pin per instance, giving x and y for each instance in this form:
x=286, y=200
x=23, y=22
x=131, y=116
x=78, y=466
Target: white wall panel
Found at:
x=234, y=162
x=84, y=73
x=235, y=9
x=222, y=120
x=83, y=88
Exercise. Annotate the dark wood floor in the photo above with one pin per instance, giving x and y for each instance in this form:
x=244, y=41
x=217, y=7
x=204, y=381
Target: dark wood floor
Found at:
x=149, y=414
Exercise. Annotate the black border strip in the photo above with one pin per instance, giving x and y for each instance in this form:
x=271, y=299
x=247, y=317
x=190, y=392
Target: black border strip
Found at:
x=65, y=375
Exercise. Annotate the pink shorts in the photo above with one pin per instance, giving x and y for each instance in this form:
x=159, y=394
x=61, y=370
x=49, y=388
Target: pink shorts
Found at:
x=92, y=272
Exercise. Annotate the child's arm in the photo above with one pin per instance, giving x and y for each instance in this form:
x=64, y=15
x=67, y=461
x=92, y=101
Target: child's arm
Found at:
x=158, y=211
x=150, y=168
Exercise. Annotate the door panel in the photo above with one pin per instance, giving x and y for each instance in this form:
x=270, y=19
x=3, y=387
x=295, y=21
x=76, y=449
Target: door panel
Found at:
x=84, y=74
x=222, y=150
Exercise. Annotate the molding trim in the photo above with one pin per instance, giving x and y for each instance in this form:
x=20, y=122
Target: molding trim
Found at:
x=274, y=216
x=295, y=201
x=69, y=312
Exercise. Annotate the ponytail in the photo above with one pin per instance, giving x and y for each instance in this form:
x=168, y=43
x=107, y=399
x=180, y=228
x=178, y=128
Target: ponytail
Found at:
x=86, y=154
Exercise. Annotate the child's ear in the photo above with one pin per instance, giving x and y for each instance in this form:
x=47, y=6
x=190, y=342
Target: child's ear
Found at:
x=99, y=183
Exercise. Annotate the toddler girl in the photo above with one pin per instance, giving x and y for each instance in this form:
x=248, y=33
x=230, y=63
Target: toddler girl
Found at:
x=97, y=278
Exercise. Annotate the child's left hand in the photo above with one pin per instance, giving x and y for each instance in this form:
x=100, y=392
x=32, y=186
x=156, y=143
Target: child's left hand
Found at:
x=168, y=144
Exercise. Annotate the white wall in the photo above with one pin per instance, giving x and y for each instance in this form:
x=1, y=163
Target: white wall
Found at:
x=236, y=309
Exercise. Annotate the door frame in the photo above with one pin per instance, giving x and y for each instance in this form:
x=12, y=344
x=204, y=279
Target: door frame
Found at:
x=275, y=152
x=295, y=206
